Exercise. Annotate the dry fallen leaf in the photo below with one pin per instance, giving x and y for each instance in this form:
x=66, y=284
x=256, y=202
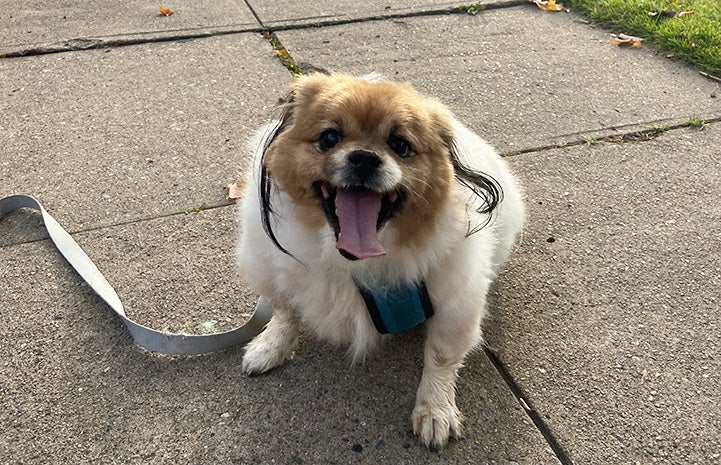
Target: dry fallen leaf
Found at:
x=631, y=41
x=548, y=5
x=164, y=11
x=266, y=34
x=684, y=13
x=281, y=52
x=236, y=189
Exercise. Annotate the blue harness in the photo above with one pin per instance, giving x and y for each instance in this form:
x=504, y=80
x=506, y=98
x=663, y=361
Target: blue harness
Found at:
x=398, y=309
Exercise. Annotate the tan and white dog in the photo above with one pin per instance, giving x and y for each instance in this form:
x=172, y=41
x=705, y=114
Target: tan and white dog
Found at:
x=371, y=209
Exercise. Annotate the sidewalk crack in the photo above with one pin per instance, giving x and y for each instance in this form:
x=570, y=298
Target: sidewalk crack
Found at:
x=644, y=135
x=530, y=410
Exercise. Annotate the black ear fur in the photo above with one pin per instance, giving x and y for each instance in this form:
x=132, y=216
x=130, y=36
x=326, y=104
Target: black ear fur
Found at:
x=266, y=182
x=482, y=185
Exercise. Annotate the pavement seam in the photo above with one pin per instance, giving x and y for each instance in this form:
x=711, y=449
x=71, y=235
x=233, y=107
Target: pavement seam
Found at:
x=73, y=232
x=255, y=15
x=92, y=43
x=638, y=136
x=456, y=10
x=528, y=407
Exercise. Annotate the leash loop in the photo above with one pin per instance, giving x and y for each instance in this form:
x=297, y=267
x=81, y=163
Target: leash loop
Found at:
x=148, y=338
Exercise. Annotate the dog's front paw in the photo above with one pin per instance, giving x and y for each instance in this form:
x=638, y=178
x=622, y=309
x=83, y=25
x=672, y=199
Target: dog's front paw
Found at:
x=274, y=345
x=262, y=355
x=266, y=352
x=434, y=424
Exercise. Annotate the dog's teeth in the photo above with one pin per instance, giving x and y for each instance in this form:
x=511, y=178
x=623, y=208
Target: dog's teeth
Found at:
x=324, y=191
x=393, y=196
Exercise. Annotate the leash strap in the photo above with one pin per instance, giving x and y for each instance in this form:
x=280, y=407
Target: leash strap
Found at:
x=150, y=339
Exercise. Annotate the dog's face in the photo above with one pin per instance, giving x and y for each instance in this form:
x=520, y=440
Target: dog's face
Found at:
x=362, y=156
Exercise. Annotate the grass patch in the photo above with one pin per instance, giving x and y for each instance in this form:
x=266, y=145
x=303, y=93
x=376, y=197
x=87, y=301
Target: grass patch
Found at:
x=282, y=53
x=644, y=135
x=592, y=142
x=203, y=206
x=472, y=9
x=696, y=122
x=695, y=38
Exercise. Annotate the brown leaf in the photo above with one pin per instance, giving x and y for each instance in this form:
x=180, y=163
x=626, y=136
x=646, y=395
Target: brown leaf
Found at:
x=548, y=5
x=164, y=11
x=684, y=13
x=281, y=52
x=266, y=34
x=236, y=189
x=630, y=41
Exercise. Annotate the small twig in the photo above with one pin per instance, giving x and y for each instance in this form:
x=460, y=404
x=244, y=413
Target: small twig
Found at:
x=710, y=76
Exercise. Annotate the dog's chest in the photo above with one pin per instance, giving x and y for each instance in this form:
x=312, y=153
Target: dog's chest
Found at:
x=339, y=309
x=398, y=308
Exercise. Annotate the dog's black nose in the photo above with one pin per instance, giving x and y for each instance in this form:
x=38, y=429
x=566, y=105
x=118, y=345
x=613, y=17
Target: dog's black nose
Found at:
x=363, y=163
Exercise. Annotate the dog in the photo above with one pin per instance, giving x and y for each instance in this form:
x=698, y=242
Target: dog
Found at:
x=370, y=210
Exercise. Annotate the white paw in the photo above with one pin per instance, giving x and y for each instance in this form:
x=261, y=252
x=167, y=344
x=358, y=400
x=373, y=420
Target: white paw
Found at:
x=434, y=424
x=266, y=352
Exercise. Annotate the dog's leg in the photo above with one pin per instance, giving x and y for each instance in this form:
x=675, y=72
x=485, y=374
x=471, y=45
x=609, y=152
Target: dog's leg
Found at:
x=274, y=345
x=449, y=338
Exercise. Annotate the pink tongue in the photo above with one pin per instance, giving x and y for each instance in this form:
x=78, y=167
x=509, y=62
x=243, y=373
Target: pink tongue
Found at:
x=357, y=213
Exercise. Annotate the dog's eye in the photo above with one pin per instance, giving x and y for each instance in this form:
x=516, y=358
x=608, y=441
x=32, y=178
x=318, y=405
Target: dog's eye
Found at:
x=329, y=139
x=400, y=146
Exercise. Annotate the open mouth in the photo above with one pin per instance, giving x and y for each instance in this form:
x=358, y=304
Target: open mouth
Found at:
x=356, y=214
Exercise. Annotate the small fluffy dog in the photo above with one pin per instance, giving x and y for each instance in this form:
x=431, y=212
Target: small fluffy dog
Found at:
x=371, y=210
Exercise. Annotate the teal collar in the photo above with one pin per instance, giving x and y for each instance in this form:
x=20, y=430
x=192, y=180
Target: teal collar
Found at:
x=399, y=308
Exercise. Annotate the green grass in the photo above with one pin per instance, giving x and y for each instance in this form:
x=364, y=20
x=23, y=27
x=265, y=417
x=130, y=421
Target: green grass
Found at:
x=696, y=122
x=282, y=53
x=695, y=38
x=592, y=142
x=472, y=9
x=203, y=206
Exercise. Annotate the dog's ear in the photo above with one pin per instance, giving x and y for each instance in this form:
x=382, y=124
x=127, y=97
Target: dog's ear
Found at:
x=306, y=88
x=303, y=89
x=445, y=131
x=265, y=185
x=284, y=119
x=483, y=186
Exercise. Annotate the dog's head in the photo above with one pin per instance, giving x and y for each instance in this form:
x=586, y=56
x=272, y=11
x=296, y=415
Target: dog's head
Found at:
x=361, y=155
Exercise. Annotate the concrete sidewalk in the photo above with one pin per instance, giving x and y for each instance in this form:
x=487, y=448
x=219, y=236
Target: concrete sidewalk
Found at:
x=605, y=322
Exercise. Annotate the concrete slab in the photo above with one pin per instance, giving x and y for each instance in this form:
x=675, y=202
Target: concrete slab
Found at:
x=76, y=390
x=285, y=14
x=520, y=76
x=108, y=136
x=608, y=315
x=33, y=22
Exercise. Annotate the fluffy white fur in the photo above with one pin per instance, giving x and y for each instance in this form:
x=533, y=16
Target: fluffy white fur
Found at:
x=315, y=287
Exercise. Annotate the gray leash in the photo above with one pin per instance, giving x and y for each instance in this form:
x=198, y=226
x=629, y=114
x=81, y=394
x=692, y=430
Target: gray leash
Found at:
x=156, y=341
